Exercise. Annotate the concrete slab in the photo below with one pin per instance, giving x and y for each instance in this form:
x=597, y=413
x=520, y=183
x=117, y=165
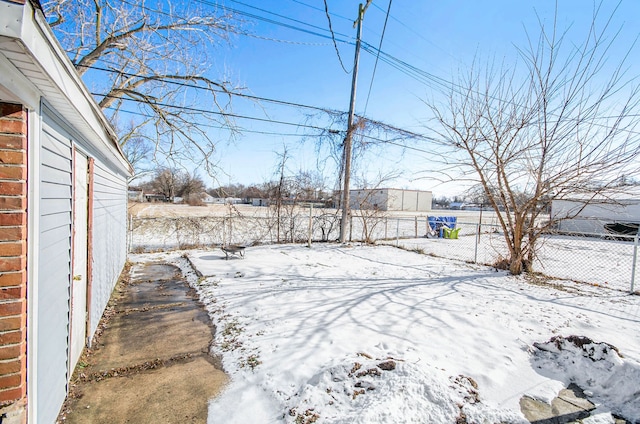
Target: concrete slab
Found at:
x=154, y=271
x=149, y=294
x=569, y=406
x=175, y=394
x=153, y=319
x=137, y=336
x=151, y=363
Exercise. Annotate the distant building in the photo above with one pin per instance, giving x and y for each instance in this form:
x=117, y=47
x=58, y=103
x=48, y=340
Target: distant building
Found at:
x=225, y=200
x=391, y=199
x=155, y=197
x=260, y=202
x=136, y=195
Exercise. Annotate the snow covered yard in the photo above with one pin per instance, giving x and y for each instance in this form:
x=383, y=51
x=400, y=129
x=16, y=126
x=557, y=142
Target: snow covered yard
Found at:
x=381, y=335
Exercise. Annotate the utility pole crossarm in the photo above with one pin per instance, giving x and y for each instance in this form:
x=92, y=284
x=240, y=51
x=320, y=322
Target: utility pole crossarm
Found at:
x=361, y=11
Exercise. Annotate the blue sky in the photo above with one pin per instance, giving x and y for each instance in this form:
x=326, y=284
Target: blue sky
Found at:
x=441, y=38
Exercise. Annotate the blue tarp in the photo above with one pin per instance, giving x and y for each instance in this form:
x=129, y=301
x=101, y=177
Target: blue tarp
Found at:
x=436, y=223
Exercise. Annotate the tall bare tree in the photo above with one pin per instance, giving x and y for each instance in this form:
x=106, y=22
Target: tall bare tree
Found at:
x=149, y=59
x=562, y=127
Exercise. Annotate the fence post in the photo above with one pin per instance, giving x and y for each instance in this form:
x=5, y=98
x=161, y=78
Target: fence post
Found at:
x=475, y=254
x=635, y=261
x=386, y=224
x=224, y=231
x=416, y=226
x=130, y=233
x=397, y=232
x=310, y=222
x=350, y=228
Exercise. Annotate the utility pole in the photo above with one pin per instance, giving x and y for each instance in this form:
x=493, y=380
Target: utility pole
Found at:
x=347, y=139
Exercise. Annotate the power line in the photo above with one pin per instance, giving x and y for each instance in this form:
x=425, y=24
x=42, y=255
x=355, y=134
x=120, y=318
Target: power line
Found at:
x=230, y=93
x=280, y=134
x=242, y=130
x=275, y=101
x=230, y=115
x=414, y=72
x=404, y=146
x=253, y=118
x=232, y=30
x=420, y=75
x=366, y=46
x=321, y=10
x=279, y=23
x=430, y=80
x=375, y=66
x=326, y=10
x=417, y=33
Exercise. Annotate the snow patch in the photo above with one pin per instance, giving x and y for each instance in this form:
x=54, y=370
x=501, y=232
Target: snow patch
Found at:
x=362, y=389
x=610, y=380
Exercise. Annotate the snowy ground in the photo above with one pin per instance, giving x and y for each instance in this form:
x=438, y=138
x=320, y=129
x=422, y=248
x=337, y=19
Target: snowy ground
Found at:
x=381, y=335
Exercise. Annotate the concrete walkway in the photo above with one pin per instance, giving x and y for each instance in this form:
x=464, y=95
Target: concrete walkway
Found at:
x=151, y=363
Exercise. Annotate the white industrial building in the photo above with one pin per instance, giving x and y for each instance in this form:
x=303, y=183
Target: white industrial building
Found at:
x=391, y=199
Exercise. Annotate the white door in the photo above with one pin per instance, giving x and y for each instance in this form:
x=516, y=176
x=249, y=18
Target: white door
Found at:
x=78, y=327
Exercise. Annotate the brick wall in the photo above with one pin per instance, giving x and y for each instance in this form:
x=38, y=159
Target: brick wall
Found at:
x=13, y=252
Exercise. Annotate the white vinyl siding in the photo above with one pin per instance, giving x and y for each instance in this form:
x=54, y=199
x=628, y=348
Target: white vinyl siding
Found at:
x=109, y=237
x=54, y=268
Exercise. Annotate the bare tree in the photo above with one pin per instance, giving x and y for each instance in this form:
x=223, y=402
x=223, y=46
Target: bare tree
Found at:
x=310, y=185
x=190, y=187
x=563, y=128
x=137, y=149
x=165, y=182
x=371, y=209
x=148, y=58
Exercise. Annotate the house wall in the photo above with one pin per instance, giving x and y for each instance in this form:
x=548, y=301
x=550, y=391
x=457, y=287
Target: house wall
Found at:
x=109, y=237
x=13, y=250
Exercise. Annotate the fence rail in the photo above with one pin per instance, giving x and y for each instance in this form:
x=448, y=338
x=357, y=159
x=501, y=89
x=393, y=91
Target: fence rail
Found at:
x=594, y=258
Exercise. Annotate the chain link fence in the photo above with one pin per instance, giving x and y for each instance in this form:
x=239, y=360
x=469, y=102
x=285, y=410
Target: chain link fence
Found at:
x=594, y=258
x=597, y=259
